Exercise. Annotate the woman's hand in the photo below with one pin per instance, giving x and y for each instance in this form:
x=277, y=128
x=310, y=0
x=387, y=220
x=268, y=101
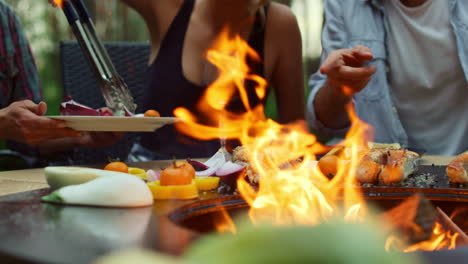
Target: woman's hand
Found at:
x=23, y=121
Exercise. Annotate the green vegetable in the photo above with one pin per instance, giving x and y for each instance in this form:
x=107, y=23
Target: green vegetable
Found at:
x=58, y=177
x=122, y=190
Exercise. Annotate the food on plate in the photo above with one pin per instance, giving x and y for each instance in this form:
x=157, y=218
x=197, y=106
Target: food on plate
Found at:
x=117, y=166
x=58, y=177
x=457, y=169
x=121, y=190
x=387, y=163
x=70, y=107
x=177, y=192
x=152, y=113
x=207, y=183
x=179, y=173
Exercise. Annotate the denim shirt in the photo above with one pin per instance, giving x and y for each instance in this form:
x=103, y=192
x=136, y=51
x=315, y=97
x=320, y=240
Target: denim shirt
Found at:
x=362, y=22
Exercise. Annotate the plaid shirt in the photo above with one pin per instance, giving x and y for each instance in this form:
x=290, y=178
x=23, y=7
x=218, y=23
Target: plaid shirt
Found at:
x=19, y=79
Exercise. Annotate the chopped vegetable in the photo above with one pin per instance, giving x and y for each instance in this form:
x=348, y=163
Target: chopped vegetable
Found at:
x=179, y=173
x=152, y=175
x=69, y=107
x=152, y=113
x=122, y=190
x=177, y=192
x=117, y=166
x=137, y=172
x=206, y=183
x=58, y=177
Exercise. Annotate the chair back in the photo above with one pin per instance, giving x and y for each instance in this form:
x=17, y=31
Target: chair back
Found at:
x=131, y=62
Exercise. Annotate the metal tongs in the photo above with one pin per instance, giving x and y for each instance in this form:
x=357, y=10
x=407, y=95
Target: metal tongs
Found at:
x=113, y=88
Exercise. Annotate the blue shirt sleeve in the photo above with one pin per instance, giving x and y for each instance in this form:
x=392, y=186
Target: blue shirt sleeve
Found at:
x=333, y=38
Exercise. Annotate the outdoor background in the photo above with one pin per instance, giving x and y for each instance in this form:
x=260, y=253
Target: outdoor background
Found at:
x=46, y=26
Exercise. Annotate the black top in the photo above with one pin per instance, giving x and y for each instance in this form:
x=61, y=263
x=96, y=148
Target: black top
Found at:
x=168, y=89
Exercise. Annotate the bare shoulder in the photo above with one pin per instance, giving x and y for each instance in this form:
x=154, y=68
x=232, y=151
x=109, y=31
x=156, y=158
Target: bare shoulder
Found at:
x=150, y=7
x=281, y=17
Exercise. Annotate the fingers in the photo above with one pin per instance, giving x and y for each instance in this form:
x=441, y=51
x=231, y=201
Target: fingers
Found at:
x=351, y=73
x=42, y=109
x=355, y=57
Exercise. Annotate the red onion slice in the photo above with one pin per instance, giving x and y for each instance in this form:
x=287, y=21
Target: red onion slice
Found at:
x=197, y=165
x=72, y=108
x=152, y=175
x=228, y=168
x=222, y=153
x=230, y=172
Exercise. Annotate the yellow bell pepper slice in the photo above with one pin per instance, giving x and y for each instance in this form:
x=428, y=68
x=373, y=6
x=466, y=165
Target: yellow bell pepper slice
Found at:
x=177, y=192
x=137, y=172
x=206, y=183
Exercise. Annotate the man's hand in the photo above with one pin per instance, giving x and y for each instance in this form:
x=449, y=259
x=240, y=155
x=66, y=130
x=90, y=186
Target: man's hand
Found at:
x=345, y=70
x=22, y=121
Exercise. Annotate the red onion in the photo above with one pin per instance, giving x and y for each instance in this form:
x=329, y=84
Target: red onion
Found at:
x=70, y=108
x=228, y=168
x=230, y=172
x=214, y=163
x=197, y=165
x=152, y=175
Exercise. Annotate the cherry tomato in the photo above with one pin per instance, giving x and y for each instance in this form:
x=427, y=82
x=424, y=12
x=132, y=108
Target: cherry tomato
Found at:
x=179, y=173
x=117, y=166
x=152, y=113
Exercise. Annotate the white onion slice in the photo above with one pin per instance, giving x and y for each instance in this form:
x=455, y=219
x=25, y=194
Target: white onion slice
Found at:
x=228, y=168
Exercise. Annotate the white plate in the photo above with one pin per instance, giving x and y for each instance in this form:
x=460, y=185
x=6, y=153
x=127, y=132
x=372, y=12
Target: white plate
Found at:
x=115, y=123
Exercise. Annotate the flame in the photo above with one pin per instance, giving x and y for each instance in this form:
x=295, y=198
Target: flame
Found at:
x=290, y=191
x=224, y=223
x=441, y=239
x=229, y=55
x=59, y=3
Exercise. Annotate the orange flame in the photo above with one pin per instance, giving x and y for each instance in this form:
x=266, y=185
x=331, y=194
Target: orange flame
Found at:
x=291, y=190
x=440, y=239
x=224, y=223
x=59, y=3
x=297, y=194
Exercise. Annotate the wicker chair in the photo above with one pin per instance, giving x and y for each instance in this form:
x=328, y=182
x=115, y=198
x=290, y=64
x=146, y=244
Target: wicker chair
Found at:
x=130, y=59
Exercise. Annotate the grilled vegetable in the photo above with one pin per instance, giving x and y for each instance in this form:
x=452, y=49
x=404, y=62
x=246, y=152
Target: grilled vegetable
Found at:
x=457, y=169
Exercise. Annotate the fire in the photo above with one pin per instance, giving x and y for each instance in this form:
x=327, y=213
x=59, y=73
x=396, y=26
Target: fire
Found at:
x=292, y=190
x=223, y=222
x=440, y=239
x=59, y=3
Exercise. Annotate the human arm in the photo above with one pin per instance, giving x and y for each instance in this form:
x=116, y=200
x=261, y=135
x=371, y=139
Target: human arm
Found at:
x=287, y=76
x=326, y=103
x=23, y=121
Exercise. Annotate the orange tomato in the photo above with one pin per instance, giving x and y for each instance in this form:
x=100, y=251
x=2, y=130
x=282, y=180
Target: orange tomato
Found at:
x=179, y=173
x=328, y=164
x=152, y=113
x=117, y=166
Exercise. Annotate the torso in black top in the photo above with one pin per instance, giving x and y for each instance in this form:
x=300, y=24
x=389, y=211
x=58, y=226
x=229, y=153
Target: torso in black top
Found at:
x=167, y=88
